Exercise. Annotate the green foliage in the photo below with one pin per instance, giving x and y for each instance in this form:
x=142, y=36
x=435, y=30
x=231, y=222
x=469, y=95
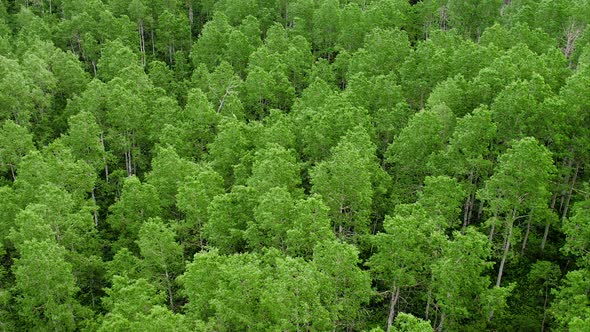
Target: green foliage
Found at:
x=294, y=165
x=16, y=142
x=409, y=153
x=138, y=202
x=521, y=178
x=229, y=215
x=193, y=198
x=345, y=183
x=576, y=230
x=134, y=305
x=169, y=171
x=408, y=323
x=348, y=287
x=460, y=282
x=45, y=287
x=571, y=304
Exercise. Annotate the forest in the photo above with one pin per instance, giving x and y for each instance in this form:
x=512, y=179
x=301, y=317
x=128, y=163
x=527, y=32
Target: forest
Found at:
x=295, y=165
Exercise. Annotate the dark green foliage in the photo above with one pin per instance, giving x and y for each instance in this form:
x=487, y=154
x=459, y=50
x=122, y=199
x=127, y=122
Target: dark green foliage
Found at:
x=294, y=165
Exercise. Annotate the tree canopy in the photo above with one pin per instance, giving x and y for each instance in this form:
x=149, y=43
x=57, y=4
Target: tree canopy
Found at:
x=294, y=165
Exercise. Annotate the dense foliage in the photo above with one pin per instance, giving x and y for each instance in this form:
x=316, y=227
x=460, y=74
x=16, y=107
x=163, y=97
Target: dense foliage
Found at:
x=294, y=165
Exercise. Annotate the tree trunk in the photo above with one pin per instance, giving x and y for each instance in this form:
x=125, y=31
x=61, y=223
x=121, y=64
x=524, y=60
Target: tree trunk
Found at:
x=79, y=42
x=141, y=41
x=526, y=234
x=506, y=248
x=567, y=181
x=104, y=158
x=466, y=211
x=191, y=22
x=393, y=303
x=95, y=212
x=12, y=172
x=129, y=157
x=169, y=286
x=569, y=195
x=428, y=303
x=480, y=210
x=171, y=52
x=546, y=233
x=442, y=322
x=127, y=163
x=491, y=236
x=153, y=43
x=544, y=310
x=505, y=254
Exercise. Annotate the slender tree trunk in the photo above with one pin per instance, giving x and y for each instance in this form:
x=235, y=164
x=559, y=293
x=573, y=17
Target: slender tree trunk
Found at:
x=546, y=233
x=287, y=15
x=73, y=49
x=191, y=22
x=428, y=303
x=506, y=247
x=104, y=158
x=128, y=156
x=544, y=310
x=567, y=181
x=441, y=324
x=436, y=311
x=79, y=43
x=153, y=43
x=569, y=194
x=12, y=172
x=491, y=236
x=127, y=167
x=169, y=286
x=468, y=213
x=504, y=5
x=133, y=161
x=393, y=303
x=201, y=239
x=171, y=52
x=95, y=212
x=141, y=41
x=480, y=210
x=526, y=234
x=466, y=210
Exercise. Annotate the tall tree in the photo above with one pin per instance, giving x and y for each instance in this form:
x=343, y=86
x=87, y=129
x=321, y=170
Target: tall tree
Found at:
x=135, y=305
x=138, y=202
x=193, y=198
x=45, y=287
x=348, y=287
x=15, y=143
x=473, y=17
x=345, y=183
x=403, y=253
x=162, y=255
x=409, y=153
x=519, y=187
x=468, y=157
x=461, y=286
